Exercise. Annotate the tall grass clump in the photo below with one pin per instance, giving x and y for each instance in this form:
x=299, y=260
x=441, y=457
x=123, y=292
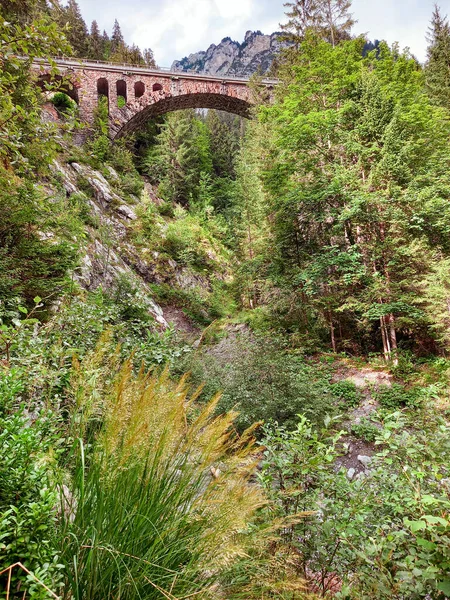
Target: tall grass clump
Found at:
x=159, y=496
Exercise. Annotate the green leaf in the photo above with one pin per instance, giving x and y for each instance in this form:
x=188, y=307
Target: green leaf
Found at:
x=444, y=586
x=435, y=520
x=415, y=525
x=426, y=544
x=23, y=309
x=37, y=300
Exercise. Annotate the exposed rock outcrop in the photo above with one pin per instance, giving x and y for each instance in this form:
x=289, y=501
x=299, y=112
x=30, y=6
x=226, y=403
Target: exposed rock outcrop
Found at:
x=254, y=55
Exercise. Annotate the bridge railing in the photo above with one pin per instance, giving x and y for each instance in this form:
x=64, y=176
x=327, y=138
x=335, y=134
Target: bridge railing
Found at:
x=80, y=62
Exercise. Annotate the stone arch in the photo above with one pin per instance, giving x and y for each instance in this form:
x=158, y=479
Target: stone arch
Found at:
x=62, y=84
x=157, y=87
x=121, y=89
x=103, y=89
x=139, y=89
x=133, y=118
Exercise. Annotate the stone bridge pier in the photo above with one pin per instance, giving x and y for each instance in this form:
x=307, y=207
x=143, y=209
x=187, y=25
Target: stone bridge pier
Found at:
x=136, y=94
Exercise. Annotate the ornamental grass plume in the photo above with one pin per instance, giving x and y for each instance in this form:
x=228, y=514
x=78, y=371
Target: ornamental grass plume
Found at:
x=162, y=495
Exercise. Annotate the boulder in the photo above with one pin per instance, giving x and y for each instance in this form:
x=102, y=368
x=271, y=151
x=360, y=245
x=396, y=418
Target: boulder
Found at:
x=126, y=212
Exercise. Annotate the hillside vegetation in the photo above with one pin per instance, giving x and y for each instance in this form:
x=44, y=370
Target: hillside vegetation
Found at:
x=224, y=344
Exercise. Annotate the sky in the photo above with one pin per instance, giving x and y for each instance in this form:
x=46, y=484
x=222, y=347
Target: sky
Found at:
x=176, y=28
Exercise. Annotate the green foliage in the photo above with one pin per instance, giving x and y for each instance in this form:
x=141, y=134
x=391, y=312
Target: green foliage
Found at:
x=396, y=396
x=150, y=471
x=347, y=392
x=379, y=535
x=27, y=497
x=365, y=430
x=436, y=72
x=63, y=103
x=30, y=265
x=188, y=243
x=180, y=157
x=261, y=380
x=75, y=27
x=347, y=157
x=25, y=141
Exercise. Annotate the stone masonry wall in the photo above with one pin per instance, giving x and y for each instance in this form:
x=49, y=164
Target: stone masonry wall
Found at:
x=163, y=93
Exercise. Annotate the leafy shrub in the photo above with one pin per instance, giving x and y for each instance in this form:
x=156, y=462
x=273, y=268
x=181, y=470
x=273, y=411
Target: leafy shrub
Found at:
x=397, y=396
x=63, y=103
x=131, y=183
x=347, y=392
x=30, y=265
x=190, y=243
x=366, y=430
x=261, y=380
x=11, y=388
x=165, y=209
x=27, y=500
x=378, y=536
x=193, y=304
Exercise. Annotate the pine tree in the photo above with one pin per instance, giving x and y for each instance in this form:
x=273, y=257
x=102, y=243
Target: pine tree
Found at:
x=134, y=55
x=224, y=130
x=336, y=20
x=181, y=159
x=106, y=45
x=149, y=58
x=77, y=33
x=95, y=42
x=329, y=18
x=117, y=41
x=438, y=65
x=302, y=15
x=24, y=11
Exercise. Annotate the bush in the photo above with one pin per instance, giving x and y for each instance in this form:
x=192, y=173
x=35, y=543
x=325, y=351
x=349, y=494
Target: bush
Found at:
x=397, y=396
x=27, y=500
x=382, y=537
x=366, y=430
x=261, y=380
x=131, y=183
x=347, y=392
x=63, y=103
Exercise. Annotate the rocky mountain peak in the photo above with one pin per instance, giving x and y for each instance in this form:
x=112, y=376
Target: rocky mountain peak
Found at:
x=255, y=54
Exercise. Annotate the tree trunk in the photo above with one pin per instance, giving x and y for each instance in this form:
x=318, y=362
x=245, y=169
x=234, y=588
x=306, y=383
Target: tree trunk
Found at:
x=385, y=337
x=393, y=337
x=333, y=338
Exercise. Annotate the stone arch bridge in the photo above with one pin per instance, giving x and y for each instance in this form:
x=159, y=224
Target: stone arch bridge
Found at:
x=136, y=94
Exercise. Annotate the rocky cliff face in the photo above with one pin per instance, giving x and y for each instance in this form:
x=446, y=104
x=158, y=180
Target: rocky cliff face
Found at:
x=255, y=54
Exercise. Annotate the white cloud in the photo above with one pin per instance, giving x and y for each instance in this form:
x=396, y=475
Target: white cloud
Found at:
x=175, y=28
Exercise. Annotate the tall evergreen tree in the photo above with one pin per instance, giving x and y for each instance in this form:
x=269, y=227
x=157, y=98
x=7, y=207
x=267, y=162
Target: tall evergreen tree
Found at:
x=95, y=42
x=437, y=70
x=77, y=33
x=355, y=191
x=302, y=15
x=224, y=130
x=181, y=158
x=106, y=45
x=149, y=58
x=117, y=41
x=329, y=18
x=335, y=20
x=24, y=11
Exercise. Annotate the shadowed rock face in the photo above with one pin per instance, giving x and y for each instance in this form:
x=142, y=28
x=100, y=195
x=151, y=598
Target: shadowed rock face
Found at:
x=255, y=54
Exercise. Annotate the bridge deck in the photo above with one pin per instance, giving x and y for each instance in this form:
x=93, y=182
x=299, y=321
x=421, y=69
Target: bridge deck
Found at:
x=98, y=65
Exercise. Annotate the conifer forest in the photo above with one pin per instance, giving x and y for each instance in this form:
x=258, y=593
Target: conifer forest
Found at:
x=225, y=342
